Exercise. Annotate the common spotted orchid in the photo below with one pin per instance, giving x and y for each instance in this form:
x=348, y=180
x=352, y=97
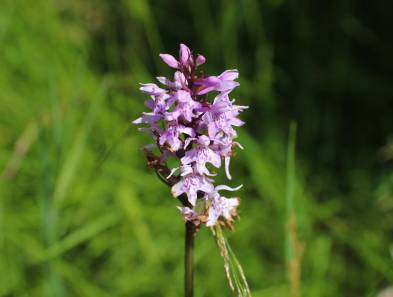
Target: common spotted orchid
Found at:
x=199, y=133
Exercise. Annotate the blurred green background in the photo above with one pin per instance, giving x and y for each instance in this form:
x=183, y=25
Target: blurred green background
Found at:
x=81, y=215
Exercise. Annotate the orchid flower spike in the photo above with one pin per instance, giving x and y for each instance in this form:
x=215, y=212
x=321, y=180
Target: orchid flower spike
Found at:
x=199, y=133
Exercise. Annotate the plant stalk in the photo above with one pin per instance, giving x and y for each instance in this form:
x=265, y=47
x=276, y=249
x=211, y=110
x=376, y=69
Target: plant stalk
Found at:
x=188, y=260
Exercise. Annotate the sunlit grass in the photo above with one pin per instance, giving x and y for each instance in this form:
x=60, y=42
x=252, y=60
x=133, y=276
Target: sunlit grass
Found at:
x=81, y=215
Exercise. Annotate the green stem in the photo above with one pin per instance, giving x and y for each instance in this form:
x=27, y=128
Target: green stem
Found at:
x=188, y=260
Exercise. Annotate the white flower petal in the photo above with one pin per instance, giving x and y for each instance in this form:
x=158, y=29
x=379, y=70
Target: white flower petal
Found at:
x=226, y=188
x=177, y=189
x=172, y=172
x=227, y=161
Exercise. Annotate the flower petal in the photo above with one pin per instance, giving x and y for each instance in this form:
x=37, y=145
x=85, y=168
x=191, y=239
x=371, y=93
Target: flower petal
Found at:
x=200, y=60
x=227, y=161
x=184, y=54
x=177, y=189
x=231, y=74
x=192, y=197
x=170, y=60
x=138, y=121
x=207, y=187
x=226, y=188
x=172, y=172
x=215, y=159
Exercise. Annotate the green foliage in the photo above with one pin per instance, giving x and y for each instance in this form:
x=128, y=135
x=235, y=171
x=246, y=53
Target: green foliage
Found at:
x=81, y=215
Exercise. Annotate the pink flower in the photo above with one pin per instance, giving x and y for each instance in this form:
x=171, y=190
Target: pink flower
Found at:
x=185, y=107
x=179, y=81
x=185, y=58
x=195, y=132
x=225, y=82
x=221, y=116
x=221, y=206
x=201, y=155
x=191, y=184
x=171, y=135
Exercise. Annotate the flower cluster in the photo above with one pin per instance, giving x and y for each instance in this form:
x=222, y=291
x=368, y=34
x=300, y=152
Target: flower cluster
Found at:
x=198, y=133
